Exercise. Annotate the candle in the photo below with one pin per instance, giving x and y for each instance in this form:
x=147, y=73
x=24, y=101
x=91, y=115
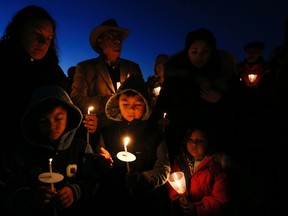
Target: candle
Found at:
x=50, y=166
x=126, y=141
x=252, y=77
x=177, y=181
x=157, y=90
x=118, y=84
x=89, y=109
x=50, y=170
x=164, y=115
x=163, y=122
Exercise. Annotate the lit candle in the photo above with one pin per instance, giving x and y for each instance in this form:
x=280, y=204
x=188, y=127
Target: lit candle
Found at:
x=157, y=90
x=50, y=170
x=163, y=122
x=50, y=166
x=177, y=181
x=252, y=77
x=89, y=109
x=164, y=115
x=126, y=141
x=118, y=84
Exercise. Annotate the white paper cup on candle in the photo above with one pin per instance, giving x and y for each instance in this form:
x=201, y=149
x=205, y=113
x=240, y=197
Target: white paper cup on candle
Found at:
x=177, y=181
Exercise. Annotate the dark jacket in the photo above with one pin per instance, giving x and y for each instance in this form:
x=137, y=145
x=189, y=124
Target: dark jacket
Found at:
x=180, y=96
x=73, y=158
x=23, y=75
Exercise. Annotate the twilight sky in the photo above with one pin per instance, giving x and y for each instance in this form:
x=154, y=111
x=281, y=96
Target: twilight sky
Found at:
x=159, y=26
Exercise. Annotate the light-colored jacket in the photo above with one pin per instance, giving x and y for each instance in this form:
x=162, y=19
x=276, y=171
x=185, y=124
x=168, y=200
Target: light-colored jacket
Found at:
x=92, y=83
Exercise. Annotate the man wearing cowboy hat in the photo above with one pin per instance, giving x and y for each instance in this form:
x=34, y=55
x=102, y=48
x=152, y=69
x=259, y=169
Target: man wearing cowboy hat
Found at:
x=96, y=79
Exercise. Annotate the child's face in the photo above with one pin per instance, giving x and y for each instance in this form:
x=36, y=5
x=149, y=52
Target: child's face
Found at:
x=197, y=144
x=52, y=124
x=131, y=107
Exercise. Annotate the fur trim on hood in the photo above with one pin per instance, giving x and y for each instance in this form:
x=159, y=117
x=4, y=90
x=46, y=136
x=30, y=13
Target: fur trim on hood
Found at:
x=133, y=83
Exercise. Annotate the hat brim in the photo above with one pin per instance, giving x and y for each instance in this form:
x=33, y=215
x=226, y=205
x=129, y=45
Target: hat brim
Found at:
x=96, y=32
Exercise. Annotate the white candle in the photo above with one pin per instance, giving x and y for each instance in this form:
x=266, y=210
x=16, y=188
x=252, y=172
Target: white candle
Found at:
x=50, y=170
x=163, y=122
x=126, y=141
x=50, y=166
x=89, y=109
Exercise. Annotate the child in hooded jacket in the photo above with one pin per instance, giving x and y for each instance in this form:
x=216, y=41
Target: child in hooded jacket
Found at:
x=49, y=126
x=137, y=185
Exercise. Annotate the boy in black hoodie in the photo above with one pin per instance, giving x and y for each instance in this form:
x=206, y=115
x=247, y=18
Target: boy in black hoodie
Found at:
x=49, y=126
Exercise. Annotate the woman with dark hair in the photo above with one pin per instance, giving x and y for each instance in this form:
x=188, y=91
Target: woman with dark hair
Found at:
x=29, y=59
x=200, y=86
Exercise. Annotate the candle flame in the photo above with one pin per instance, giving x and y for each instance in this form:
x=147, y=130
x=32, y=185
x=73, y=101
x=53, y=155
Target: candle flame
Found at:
x=252, y=77
x=90, y=108
x=126, y=141
x=164, y=115
x=50, y=160
x=157, y=90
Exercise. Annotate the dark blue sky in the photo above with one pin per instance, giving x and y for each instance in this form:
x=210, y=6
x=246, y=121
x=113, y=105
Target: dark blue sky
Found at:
x=159, y=26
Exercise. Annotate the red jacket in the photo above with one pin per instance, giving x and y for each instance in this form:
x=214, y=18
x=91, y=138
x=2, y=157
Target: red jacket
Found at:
x=207, y=187
x=258, y=68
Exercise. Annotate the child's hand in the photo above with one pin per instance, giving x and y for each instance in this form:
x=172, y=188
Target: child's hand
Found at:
x=64, y=198
x=104, y=153
x=90, y=121
x=40, y=197
x=187, y=206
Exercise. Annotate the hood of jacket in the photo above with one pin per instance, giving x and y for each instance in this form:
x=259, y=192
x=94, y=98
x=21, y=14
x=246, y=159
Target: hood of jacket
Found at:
x=41, y=95
x=133, y=83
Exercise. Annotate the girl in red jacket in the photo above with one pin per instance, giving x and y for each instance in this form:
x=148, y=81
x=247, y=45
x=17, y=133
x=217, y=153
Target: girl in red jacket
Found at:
x=207, y=191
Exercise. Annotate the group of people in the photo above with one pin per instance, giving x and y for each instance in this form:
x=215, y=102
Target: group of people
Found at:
x=119, y=149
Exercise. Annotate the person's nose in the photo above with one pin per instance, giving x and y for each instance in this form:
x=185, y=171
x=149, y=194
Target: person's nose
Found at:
x=132, y=107
x=44, y=40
